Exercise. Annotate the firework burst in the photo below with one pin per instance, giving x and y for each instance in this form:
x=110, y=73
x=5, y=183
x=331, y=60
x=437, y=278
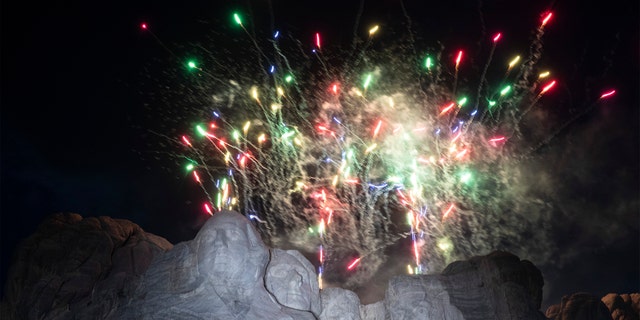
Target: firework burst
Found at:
x=359, y=154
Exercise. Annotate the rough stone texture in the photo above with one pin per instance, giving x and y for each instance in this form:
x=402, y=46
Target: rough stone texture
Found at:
x=583, y=306
x=422, y=297
x=103, y=268
x=373, y=311
x=495, y=286
x=218, y=275
x=292, y=279
x=339, y=304
x=478, y=287
x=621, y=306
x=77, y=268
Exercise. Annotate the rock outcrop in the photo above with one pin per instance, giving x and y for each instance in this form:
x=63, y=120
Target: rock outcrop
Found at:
x=103, y=268
x=74, y=267
x=496, y=286
x=218, y=275
x=589, y=307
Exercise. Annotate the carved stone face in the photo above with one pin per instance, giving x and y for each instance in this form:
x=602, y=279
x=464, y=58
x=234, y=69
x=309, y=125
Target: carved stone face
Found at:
x=230, y=252
x=292, y=280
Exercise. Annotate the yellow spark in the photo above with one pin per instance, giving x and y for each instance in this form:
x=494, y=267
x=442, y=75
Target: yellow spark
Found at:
x=373, y=30
x=514, y=61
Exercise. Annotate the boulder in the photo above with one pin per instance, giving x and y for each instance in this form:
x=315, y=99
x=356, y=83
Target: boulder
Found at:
x=579, y=306
x=495, y=286
x=75, y=267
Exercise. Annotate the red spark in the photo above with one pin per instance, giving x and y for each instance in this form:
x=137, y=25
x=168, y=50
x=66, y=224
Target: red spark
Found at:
x=546, y=19
x=334, y=88
x=607, y=94
x=353, y=264
x=458, y=59
x=447, y=108
x=446, y=214
x=375, y=132
x=186, y=141
x=196, y=176
x=208, y=209
x=548, y=87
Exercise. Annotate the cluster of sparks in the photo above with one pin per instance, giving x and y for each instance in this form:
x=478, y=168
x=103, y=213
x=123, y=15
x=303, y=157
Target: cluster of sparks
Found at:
x=340, y=166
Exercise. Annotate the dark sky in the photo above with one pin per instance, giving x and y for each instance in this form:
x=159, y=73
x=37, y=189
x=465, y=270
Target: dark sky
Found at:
x=74, y=85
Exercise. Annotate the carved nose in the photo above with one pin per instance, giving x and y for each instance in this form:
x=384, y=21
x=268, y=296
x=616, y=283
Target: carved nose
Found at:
x=220, y=240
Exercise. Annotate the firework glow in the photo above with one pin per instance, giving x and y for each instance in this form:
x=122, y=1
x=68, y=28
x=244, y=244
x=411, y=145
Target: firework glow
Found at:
x=374, y=156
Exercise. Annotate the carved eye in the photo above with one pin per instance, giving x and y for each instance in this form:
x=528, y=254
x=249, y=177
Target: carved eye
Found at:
x=298, y=278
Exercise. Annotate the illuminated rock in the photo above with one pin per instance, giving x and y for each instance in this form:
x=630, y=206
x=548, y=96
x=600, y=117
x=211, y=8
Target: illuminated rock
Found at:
x=292, y=279
x=218, y=275
x=495, y=286
x=339, y=304
x=103, y=268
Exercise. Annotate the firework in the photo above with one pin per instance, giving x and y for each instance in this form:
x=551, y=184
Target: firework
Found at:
x=331, y=158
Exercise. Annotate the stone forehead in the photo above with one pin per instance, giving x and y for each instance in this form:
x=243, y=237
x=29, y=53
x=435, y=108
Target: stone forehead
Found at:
x=230, y=220
x=290, y=258
x=226, y=219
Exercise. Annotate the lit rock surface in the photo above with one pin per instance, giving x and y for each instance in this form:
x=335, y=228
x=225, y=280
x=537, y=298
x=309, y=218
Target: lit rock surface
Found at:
x=496, y=286
x=340, y=304
x=291, y=278
x=103, y=268
x=373, y=311
x=218, y=275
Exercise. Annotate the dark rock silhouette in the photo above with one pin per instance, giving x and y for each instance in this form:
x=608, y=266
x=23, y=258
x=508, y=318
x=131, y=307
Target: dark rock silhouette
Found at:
x=103, y=268
x=74, y=267
x=579, y=306
x=587, y=306
x=623, y=306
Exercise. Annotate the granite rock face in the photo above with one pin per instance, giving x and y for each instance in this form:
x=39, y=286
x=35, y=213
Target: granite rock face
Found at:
x=291, y=279
x=218, y=275
x=623, y=306
x=579, y=306
x=103, y=268
x=472, y=289
x=77, y=268
x=587, y=306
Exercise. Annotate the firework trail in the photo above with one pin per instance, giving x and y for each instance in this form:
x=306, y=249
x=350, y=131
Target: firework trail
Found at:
x=353, y=156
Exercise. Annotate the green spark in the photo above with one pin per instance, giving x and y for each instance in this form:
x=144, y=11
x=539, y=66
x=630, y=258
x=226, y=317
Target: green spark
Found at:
x=367, y=81
x=236, y=17
x=466, y=177
x=505, y=90
x=288, y=134
x=428, y=63
x=201, y=131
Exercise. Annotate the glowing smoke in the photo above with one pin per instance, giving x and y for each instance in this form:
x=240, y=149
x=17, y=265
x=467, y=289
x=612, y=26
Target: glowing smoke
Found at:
x=370, y=151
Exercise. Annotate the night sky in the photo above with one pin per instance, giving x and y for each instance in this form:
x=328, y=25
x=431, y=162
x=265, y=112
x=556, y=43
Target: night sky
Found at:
x=74, y=127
